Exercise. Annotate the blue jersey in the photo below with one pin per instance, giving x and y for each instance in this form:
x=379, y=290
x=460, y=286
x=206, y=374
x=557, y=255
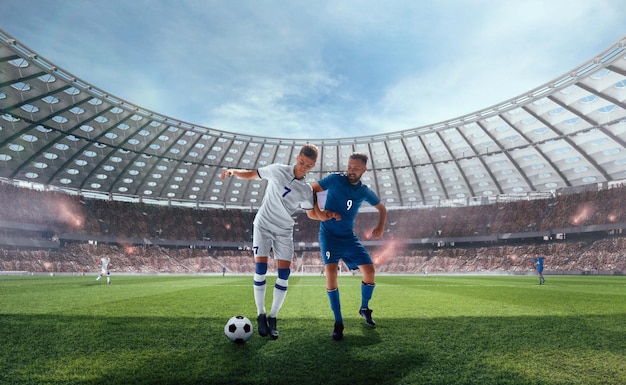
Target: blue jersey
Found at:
x=539, y=264
x=337, y=238
x=344, y=198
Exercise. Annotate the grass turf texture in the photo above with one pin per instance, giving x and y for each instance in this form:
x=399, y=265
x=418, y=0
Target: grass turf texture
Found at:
x=431, y=330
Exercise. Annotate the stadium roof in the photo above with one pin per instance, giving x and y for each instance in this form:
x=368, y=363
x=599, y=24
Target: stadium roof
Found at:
x=59, y=131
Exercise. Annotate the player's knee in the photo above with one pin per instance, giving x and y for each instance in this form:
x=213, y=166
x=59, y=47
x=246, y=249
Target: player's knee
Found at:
x=260, y=268
x=283, y=279
x=284, y=273
x=368, y=273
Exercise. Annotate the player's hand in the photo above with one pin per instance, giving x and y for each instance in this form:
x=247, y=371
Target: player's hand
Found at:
x=377, y=233
x=226, y=173
x=328, y=215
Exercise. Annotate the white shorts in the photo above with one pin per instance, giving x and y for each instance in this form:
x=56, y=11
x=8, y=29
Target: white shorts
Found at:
x=263, y=241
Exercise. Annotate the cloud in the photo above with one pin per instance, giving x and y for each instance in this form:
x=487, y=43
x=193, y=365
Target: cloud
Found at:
x=294, y=106
x=519, y=46
x=324, y=69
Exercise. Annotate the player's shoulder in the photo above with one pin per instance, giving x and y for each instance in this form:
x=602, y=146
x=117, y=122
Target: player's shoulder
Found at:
x=335, y=177
x=274, y=166
x=331, y=180
x=273, y=169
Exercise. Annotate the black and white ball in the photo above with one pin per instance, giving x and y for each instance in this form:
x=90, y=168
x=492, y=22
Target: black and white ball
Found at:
x=238, y=329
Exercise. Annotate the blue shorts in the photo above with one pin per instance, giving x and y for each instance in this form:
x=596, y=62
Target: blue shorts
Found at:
x=350, y=250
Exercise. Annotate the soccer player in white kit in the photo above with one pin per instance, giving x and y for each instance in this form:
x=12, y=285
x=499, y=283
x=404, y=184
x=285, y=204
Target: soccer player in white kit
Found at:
x=104, y=268
x=286, y=192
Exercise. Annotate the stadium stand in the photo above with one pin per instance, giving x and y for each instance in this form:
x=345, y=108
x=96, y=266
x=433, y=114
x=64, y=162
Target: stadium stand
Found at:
x=49, y=231
x=540, y=172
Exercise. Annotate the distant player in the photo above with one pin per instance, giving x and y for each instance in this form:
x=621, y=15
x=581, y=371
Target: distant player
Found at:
x=539, y=266
x=104, y=268
x=344, y=195
x=286, y=192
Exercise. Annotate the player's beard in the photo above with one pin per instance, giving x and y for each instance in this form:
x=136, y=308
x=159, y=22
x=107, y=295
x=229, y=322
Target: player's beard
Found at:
x=353, y=178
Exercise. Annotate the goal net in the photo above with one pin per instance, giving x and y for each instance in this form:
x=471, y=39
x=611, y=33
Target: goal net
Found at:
x=312, y=269
x=317, y=269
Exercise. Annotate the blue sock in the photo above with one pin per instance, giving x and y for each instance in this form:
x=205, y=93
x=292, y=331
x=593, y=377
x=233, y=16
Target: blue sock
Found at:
x=335, y=304
x=366, y=294
x=260, y=269
x=280, y=291
x=283, y=277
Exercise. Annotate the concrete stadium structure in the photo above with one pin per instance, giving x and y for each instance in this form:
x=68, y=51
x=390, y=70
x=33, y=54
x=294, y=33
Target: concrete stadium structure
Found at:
x=59, y=132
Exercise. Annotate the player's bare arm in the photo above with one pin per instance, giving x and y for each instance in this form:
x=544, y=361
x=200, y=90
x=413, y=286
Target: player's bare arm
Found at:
x=242, y=174
x=324, y=215
x=317, y=213
x=382, y=218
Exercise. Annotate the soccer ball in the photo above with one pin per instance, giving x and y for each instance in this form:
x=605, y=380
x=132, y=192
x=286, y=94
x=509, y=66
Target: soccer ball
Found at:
x=238, y=329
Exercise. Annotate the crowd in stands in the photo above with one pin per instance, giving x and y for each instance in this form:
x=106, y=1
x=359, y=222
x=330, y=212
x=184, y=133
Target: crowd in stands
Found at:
x=603, y=256
x=64, y=213
x=561, y=211
x=73, y=214
x=85, y=259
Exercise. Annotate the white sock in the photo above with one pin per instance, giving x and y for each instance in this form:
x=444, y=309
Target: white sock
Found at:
x=259, y=293
x=279, y=296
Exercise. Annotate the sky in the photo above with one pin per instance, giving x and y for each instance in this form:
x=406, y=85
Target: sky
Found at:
x=315, y=69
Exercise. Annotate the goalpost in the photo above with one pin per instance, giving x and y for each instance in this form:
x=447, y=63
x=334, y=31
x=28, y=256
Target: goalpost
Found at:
x=315, y=269
x=312, y=269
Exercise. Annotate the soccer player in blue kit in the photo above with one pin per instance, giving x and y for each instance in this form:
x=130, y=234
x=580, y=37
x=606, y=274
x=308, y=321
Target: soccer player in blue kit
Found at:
x=344, y=195
x=539, y=266
x=286, y=192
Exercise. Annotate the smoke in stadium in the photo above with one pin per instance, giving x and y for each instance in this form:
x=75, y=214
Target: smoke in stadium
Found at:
x=387, y=252
x=67, y=212
x=583, y=213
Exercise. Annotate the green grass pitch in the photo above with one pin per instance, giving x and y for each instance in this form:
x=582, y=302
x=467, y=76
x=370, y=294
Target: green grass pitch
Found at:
x=431, y=330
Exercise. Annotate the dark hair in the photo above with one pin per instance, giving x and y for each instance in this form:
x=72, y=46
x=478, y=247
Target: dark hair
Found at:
x=310, y=151
x=360, y=156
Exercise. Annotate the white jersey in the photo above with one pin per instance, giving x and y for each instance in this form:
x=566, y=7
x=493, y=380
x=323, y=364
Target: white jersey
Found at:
x=283, y=196
x=105, y=263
